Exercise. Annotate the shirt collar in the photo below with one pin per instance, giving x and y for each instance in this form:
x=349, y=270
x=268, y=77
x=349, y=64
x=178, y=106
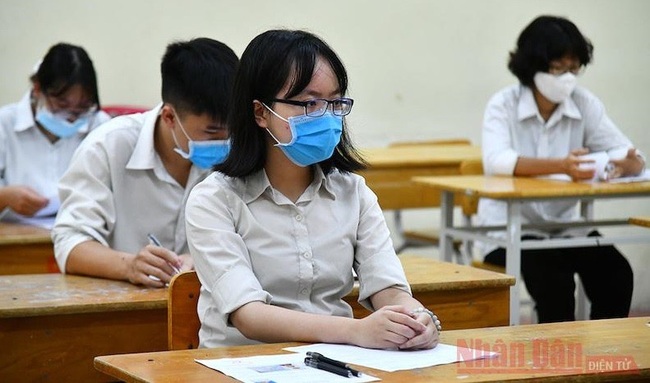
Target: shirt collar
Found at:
x=258, y=183
x=25, y=116
x=527, y=107
x=144, y=153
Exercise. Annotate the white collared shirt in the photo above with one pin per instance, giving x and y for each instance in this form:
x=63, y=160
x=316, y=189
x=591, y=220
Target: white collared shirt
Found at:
x=27, y=157
x=117, y=190
x=250, y=243
x=513, y=128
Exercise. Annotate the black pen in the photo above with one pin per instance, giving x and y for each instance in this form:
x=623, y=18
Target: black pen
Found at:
x=321, y=358
x=328, y=367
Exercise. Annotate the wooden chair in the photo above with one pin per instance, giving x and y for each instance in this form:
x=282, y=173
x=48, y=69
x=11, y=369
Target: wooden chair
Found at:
x=182, y=318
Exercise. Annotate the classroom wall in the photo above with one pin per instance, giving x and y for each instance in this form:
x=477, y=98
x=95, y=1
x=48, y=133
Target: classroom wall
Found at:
x=418, y=69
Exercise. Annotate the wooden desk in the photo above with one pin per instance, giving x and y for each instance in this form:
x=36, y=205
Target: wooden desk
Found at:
x=391, y=170
x=26, y=250
x=583, y=351
x=640, y=221
x=517, y=191
x=53, y=325
x=462, y=296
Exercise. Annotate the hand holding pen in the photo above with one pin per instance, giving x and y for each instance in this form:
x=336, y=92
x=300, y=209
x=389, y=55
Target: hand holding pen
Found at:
x=154, y=241
x=324, y=363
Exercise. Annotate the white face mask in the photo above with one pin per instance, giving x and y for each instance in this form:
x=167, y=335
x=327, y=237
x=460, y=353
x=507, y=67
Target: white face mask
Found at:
x=555, y=88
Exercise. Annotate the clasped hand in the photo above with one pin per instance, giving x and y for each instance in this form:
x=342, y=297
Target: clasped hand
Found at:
x=395, y=327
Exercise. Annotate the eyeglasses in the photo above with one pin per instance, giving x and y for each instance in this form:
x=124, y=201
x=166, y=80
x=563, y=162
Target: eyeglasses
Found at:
x=318, y=106
x=62, y=107
x=557, y=70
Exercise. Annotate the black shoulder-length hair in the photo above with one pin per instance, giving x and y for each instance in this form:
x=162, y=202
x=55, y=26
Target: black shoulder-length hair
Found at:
x=545, y=39
x=64, y=66
x=271, y=60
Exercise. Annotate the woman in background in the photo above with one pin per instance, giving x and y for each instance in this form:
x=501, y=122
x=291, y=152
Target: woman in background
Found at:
x=542, y=126
x=39, y=133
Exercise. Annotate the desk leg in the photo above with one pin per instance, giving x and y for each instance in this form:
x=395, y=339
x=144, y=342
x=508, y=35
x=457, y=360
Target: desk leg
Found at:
x=513, y=256
x=582, y=305
x=446, y=221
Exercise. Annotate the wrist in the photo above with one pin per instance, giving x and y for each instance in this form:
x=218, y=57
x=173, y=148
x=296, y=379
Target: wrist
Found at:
x=434, y=317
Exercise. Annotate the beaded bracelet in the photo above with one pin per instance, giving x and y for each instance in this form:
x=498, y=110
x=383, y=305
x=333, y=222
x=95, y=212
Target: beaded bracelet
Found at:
x=434, y=317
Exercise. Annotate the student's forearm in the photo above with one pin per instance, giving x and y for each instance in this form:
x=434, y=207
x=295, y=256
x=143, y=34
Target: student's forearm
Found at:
x=539, y=166
x=268, y=323
x=93, y=258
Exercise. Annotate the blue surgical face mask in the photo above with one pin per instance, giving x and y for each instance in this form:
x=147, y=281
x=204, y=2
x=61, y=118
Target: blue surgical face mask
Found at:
x=58, y=125
x=204, y=154
x=313, y=139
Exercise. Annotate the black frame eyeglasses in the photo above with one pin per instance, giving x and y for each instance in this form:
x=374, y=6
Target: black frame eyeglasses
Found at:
x=318, y=106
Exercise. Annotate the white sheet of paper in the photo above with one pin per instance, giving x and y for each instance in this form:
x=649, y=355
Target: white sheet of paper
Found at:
x=51, y=208
x=600, y=160
x=283, y=368
x=645, y=176
x=43, y=218
x=388, y=360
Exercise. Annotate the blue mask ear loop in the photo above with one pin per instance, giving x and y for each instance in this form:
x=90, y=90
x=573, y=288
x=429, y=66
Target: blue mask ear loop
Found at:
x=178, y=149
x=293, y=133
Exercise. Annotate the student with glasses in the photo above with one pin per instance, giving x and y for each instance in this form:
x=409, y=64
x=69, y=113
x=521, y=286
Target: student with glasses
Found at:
x=276, y=233
x=540, y=127
x=123, y=196
x=39, y=133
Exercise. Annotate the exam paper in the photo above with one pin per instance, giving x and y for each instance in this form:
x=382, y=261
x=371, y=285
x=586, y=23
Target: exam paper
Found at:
x=388, y=360
x=645, y=176
x=43, y=218
x=283, y=368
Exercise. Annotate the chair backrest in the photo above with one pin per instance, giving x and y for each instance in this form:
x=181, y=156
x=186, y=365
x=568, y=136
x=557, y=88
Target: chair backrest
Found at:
x=182, y=318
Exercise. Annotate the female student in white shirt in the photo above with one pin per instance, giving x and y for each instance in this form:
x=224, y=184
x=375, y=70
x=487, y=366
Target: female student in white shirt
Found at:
x=541, y=126
x=276, y=233
x=39, y=133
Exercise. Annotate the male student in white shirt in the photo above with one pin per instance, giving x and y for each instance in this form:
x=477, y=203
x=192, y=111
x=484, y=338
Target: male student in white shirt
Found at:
x=130, y=178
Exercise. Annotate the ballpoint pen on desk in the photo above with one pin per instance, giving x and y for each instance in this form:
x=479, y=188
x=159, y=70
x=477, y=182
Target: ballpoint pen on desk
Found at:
x=322, y=358
x=328, y=367
x=322, y=362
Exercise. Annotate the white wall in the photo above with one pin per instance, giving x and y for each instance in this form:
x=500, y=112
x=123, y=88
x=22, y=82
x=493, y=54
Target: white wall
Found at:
x=418, y=69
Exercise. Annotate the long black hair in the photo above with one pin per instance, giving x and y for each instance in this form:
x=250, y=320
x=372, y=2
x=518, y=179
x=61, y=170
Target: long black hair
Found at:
x=270, y=61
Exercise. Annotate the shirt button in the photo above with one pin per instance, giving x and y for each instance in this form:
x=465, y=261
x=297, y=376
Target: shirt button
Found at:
x=298, y=217
x=304, y=291
x=306, y=254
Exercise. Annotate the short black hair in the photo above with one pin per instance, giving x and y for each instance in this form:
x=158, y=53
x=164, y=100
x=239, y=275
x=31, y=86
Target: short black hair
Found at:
x=64, y=66
x=197, y=77
x=545, y=39
x=269, y=62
